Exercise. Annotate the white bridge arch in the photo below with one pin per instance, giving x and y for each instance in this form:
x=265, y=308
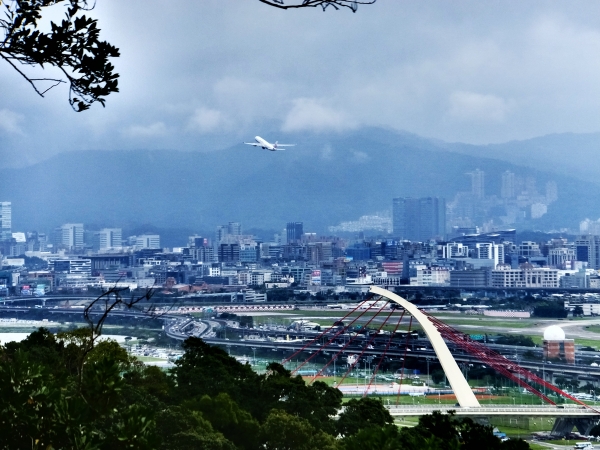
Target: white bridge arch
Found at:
x=462, y=390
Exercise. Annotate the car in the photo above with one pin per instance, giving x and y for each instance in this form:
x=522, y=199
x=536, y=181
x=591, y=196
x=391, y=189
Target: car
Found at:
x=583, y=446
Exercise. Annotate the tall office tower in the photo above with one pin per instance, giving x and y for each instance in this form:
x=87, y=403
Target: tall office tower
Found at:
x=508, y=185
x=477, y=183
x=419, y=219
x=5, y=221
x=220, y=233
x=294, y=231
x=551, y=191
x=147, y=241
x=70, y=236
x=234, y=228
x=228, y=252
x=531, y=186
x=587, y=249
x=110, y=238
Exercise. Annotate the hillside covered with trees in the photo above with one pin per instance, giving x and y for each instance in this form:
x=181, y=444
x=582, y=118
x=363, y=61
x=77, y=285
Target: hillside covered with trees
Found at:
x=57, y=392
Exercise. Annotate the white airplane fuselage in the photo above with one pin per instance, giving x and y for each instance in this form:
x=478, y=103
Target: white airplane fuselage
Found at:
x=266, y=145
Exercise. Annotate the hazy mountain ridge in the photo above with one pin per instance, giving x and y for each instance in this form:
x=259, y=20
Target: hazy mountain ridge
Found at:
x=322, y=181
x=569, y=154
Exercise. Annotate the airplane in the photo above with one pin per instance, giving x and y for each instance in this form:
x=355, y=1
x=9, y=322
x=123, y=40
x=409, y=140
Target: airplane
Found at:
x=260, y=142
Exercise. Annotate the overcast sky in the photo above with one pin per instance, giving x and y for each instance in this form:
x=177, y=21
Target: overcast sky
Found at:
x=194, y=73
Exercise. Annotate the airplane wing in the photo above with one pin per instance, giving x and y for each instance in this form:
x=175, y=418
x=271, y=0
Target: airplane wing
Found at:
x=256, y=144
x=286, y=145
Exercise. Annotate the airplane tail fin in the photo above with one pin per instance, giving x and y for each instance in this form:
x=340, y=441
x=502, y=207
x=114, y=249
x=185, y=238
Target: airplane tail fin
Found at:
x=275, y=146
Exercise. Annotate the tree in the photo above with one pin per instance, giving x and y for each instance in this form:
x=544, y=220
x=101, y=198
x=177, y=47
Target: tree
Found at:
x=363, y=413
x=181, y=429
x=336, y=4
x=229, y=419
x=207, y=370
x=550, y=309
x=283, y=431
x=72, y=46
x=278, y=389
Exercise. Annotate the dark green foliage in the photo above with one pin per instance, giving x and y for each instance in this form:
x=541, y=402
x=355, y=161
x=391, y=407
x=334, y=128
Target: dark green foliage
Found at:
x=435, y=432
x=207, y=370
x=60, y=393
x=515, y=339
x=73, y=46
x=437, y=376
x=279, y=390
x=550, y=309
x=283, y=431
x=229, y=419
x=362, y=413
x=246, y=321
x=595, y=431
x=182, y=429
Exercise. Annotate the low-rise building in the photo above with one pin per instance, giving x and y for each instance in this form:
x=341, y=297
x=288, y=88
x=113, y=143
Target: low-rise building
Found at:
x=524, y=277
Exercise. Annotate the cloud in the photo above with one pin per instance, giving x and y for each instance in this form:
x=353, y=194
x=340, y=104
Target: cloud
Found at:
x=470, y=106
x=359, y=157
x=327, y=152
x=206, y=120
x=10, y=121
x=310, y=114
x=146, y=131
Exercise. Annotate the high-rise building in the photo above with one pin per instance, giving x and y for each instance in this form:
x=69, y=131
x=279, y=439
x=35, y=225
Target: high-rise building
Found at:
x=508, y=185
x=587, y=249
x=419, y=219
x=477, y=183
x=551, y=192
x=110, y=238
x=5, y=220
x=294, y=231
x=220, y=233
x=147, y=241
x=70, y=236
x=234, y=228
x=229, y=252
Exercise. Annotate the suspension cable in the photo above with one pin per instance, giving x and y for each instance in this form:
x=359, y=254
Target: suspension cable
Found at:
x=344, y=329
x=349, y=342
x=384, y=352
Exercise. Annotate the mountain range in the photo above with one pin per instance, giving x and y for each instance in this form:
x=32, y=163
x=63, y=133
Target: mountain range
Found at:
x=325, y=179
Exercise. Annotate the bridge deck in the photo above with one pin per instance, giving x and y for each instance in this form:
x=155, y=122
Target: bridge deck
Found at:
x=497, y=410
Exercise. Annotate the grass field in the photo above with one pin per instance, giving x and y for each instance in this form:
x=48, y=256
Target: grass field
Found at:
x=149, y=358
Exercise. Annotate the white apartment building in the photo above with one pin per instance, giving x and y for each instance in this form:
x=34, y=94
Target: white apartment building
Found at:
x=491, y=251
x=147, y=241
x=559, y=257
x=524, y=277
x=455, y=250
x=435, y=276
x=70, y=235
x=110, y=238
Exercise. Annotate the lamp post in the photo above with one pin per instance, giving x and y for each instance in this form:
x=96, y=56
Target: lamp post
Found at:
x=254, y=350
x=334, y=359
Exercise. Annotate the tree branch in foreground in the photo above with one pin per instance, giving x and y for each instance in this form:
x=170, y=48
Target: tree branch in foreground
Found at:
x=335, y=4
